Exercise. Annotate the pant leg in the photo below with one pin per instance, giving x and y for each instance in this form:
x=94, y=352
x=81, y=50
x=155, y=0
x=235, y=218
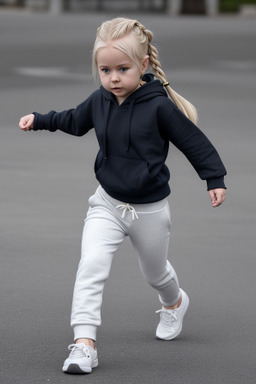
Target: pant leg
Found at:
x=150, y=237
x=102, y=236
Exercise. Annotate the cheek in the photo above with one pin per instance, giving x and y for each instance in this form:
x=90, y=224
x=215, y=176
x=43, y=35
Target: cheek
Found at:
x=102, y=78
x=137, y=73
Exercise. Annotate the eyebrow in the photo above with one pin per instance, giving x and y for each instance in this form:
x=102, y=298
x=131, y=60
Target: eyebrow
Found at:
x=119, y=65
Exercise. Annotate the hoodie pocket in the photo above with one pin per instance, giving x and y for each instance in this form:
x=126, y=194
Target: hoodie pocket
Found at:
x=125, y=176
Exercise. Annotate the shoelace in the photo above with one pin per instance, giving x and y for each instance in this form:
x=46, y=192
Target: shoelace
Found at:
x=78, y=350
x=170, y=314
x=127, y=207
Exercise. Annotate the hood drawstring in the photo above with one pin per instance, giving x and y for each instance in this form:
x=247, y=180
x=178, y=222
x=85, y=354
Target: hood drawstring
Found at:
x=129, y=122
x=105, y=146
x=128, y=130
x=151, y=89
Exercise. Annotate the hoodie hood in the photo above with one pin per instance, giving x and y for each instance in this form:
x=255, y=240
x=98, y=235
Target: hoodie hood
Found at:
x=151, y=89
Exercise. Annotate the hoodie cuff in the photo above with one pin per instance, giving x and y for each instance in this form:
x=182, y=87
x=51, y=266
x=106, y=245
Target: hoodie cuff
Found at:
x=36, y=122
x=215, y=183
x=44, y=122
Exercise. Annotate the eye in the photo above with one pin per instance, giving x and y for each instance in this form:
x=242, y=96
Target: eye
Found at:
x=105, y=70
x=123, y=69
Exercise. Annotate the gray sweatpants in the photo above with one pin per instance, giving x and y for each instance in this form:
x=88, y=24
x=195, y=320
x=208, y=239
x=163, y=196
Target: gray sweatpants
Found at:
x=107, y=224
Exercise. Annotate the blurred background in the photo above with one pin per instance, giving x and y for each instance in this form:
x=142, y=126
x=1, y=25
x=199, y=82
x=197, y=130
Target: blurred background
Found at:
x=208, y=7
x=207, y=49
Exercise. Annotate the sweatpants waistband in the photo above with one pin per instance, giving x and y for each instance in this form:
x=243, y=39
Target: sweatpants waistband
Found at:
x=139, y=208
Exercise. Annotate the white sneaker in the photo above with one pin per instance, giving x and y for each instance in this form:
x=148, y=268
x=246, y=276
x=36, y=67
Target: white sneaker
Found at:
x=82, y=359
x=170, y=324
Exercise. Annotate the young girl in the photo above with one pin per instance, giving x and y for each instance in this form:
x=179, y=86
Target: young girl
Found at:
x=134, y=121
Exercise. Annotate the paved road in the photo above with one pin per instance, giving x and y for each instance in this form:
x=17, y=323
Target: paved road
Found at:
x=47, y=178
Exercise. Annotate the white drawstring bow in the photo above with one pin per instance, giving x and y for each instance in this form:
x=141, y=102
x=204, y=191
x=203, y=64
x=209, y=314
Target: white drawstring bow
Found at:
x=127, y=207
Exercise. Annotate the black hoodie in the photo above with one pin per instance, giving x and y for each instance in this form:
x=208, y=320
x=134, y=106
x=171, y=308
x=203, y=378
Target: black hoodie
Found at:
x=134, y=141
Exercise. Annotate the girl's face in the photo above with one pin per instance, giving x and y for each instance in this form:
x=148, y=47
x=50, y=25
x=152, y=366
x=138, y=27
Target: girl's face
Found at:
x=118, y=73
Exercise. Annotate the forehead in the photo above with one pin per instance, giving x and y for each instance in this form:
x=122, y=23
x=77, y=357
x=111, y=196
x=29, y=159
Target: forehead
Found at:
x=110, y=55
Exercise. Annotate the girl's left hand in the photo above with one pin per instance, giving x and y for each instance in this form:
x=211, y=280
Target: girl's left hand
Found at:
x=217, y=196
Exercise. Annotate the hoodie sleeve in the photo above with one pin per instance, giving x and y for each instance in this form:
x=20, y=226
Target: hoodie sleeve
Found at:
x=76, y=121
x=193, y=143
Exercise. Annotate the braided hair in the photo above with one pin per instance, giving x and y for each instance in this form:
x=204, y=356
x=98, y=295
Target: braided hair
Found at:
x=137, y=47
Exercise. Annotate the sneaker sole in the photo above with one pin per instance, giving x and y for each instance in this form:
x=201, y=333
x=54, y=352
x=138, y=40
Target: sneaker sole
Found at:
x=77, y=370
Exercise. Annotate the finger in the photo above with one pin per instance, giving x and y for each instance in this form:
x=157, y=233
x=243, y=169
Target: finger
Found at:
x=218, y=200
x=25, y=123
x=22, y=123
x=215, y=199
x=212, y=197
x=219, y=197
x=222, y=196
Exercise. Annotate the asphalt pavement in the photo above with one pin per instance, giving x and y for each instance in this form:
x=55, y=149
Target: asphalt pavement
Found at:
x=46, y=180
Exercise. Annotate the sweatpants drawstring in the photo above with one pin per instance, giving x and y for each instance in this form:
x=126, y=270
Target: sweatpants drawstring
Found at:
x=127, y=207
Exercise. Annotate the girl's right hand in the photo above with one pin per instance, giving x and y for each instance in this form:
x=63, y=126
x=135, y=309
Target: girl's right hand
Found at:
x=26, y=122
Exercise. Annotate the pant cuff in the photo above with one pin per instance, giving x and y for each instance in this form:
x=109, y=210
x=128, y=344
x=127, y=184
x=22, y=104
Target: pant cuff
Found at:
x=170, y=303
x=85, y=331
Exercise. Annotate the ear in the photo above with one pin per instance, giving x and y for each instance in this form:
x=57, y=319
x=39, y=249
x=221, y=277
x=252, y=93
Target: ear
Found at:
x=144, y=64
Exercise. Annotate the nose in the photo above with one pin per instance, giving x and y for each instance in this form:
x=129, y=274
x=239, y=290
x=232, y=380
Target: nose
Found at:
x=114, y=77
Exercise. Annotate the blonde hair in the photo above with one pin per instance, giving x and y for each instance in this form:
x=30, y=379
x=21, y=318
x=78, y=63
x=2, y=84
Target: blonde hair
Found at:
x=137, y=48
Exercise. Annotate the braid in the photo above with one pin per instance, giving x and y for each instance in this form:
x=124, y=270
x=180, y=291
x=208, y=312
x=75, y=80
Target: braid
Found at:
x=155, y=63
x=185, y=106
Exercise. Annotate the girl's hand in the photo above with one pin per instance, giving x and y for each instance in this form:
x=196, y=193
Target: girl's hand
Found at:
x=217, y=196
x=26, y=122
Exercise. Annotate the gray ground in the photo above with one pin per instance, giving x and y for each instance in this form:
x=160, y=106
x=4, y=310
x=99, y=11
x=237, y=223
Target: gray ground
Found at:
x=47, y=178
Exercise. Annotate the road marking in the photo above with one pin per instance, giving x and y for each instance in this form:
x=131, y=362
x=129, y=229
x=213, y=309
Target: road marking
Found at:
x=240, y=65
x=52, y=72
